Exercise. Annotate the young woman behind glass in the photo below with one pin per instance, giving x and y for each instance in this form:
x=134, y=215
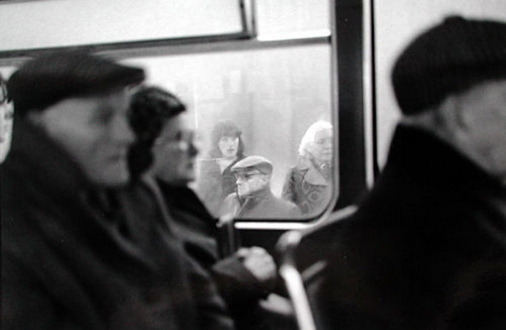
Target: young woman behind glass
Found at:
x=215, y=180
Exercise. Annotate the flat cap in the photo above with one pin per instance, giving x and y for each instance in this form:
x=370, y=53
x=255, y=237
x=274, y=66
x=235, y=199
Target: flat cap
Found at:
x=259, y=163
x=448, y=59
x=53, y=77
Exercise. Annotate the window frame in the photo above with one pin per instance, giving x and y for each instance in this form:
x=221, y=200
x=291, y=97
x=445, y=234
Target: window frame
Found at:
x=248, y=31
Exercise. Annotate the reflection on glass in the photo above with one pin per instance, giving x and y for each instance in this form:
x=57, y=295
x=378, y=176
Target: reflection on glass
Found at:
x=271, y=95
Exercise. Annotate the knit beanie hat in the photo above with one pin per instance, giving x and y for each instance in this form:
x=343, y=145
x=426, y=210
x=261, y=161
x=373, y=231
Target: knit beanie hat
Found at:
x=50, y=78
x=449, y=59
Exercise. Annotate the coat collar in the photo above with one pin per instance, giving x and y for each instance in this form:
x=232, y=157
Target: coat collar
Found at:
x=184, y=198
x=35, y=155
x=311, y=174
x=254, y=200
x=260, y=195
x=420, y=154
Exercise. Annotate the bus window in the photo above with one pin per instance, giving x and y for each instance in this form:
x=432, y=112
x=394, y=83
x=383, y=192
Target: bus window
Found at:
x=273, y=96
x=269, y=67
x=113, y=21
x=273, y=89
x=292, y=18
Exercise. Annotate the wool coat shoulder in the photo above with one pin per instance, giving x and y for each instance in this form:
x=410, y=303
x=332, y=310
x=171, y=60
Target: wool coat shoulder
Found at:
x=426, y=248
x=71, y=262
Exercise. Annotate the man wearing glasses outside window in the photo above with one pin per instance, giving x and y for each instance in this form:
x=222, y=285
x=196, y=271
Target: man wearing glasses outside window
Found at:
x=253, y=198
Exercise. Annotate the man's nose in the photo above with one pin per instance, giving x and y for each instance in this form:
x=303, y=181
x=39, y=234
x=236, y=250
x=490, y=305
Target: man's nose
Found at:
x=194, y=150
x=193, y=146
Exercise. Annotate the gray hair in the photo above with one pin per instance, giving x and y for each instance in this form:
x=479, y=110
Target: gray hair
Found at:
x=310, y=135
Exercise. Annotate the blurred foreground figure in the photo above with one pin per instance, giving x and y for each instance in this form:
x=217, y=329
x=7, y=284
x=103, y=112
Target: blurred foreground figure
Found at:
x=71, y=257
x=164, y=136
x=427, y=247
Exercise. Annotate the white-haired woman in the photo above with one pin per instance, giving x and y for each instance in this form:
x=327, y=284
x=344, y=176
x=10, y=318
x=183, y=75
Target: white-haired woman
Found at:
x=308, y=183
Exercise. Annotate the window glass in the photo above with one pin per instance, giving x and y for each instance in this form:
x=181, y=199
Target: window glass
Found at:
x=97, y=21
x=292, y=17
x=272, y=95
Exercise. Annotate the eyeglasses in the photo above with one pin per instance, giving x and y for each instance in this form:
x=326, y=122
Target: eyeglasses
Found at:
x=186, y=137
x=246, y=176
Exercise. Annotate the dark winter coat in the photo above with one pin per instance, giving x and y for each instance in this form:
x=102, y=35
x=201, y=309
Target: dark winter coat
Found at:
x=214, y=186
x=71, y=261
x=427, y=247
x=308, y=188
x=198, y=230
x=260, y=205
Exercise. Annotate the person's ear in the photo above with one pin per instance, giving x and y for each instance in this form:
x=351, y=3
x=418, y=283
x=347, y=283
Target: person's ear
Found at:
x=453, y=115
x=465, y=115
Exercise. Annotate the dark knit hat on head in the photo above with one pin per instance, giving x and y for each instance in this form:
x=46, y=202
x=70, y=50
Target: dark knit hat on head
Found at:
x=50, y=78
x=449, y=59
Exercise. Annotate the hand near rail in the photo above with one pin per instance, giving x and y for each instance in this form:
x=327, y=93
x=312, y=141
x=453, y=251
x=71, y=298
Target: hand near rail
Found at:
x=259, y=263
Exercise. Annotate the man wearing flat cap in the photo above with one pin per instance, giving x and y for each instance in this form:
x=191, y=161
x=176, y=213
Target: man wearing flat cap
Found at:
x=253, y=198
x=427, y=247
x=72, y=257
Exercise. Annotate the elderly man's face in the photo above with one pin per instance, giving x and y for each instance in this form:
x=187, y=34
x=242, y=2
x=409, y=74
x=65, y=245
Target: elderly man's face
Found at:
x=95, y=132
x=250, y=181
x=484, y=109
